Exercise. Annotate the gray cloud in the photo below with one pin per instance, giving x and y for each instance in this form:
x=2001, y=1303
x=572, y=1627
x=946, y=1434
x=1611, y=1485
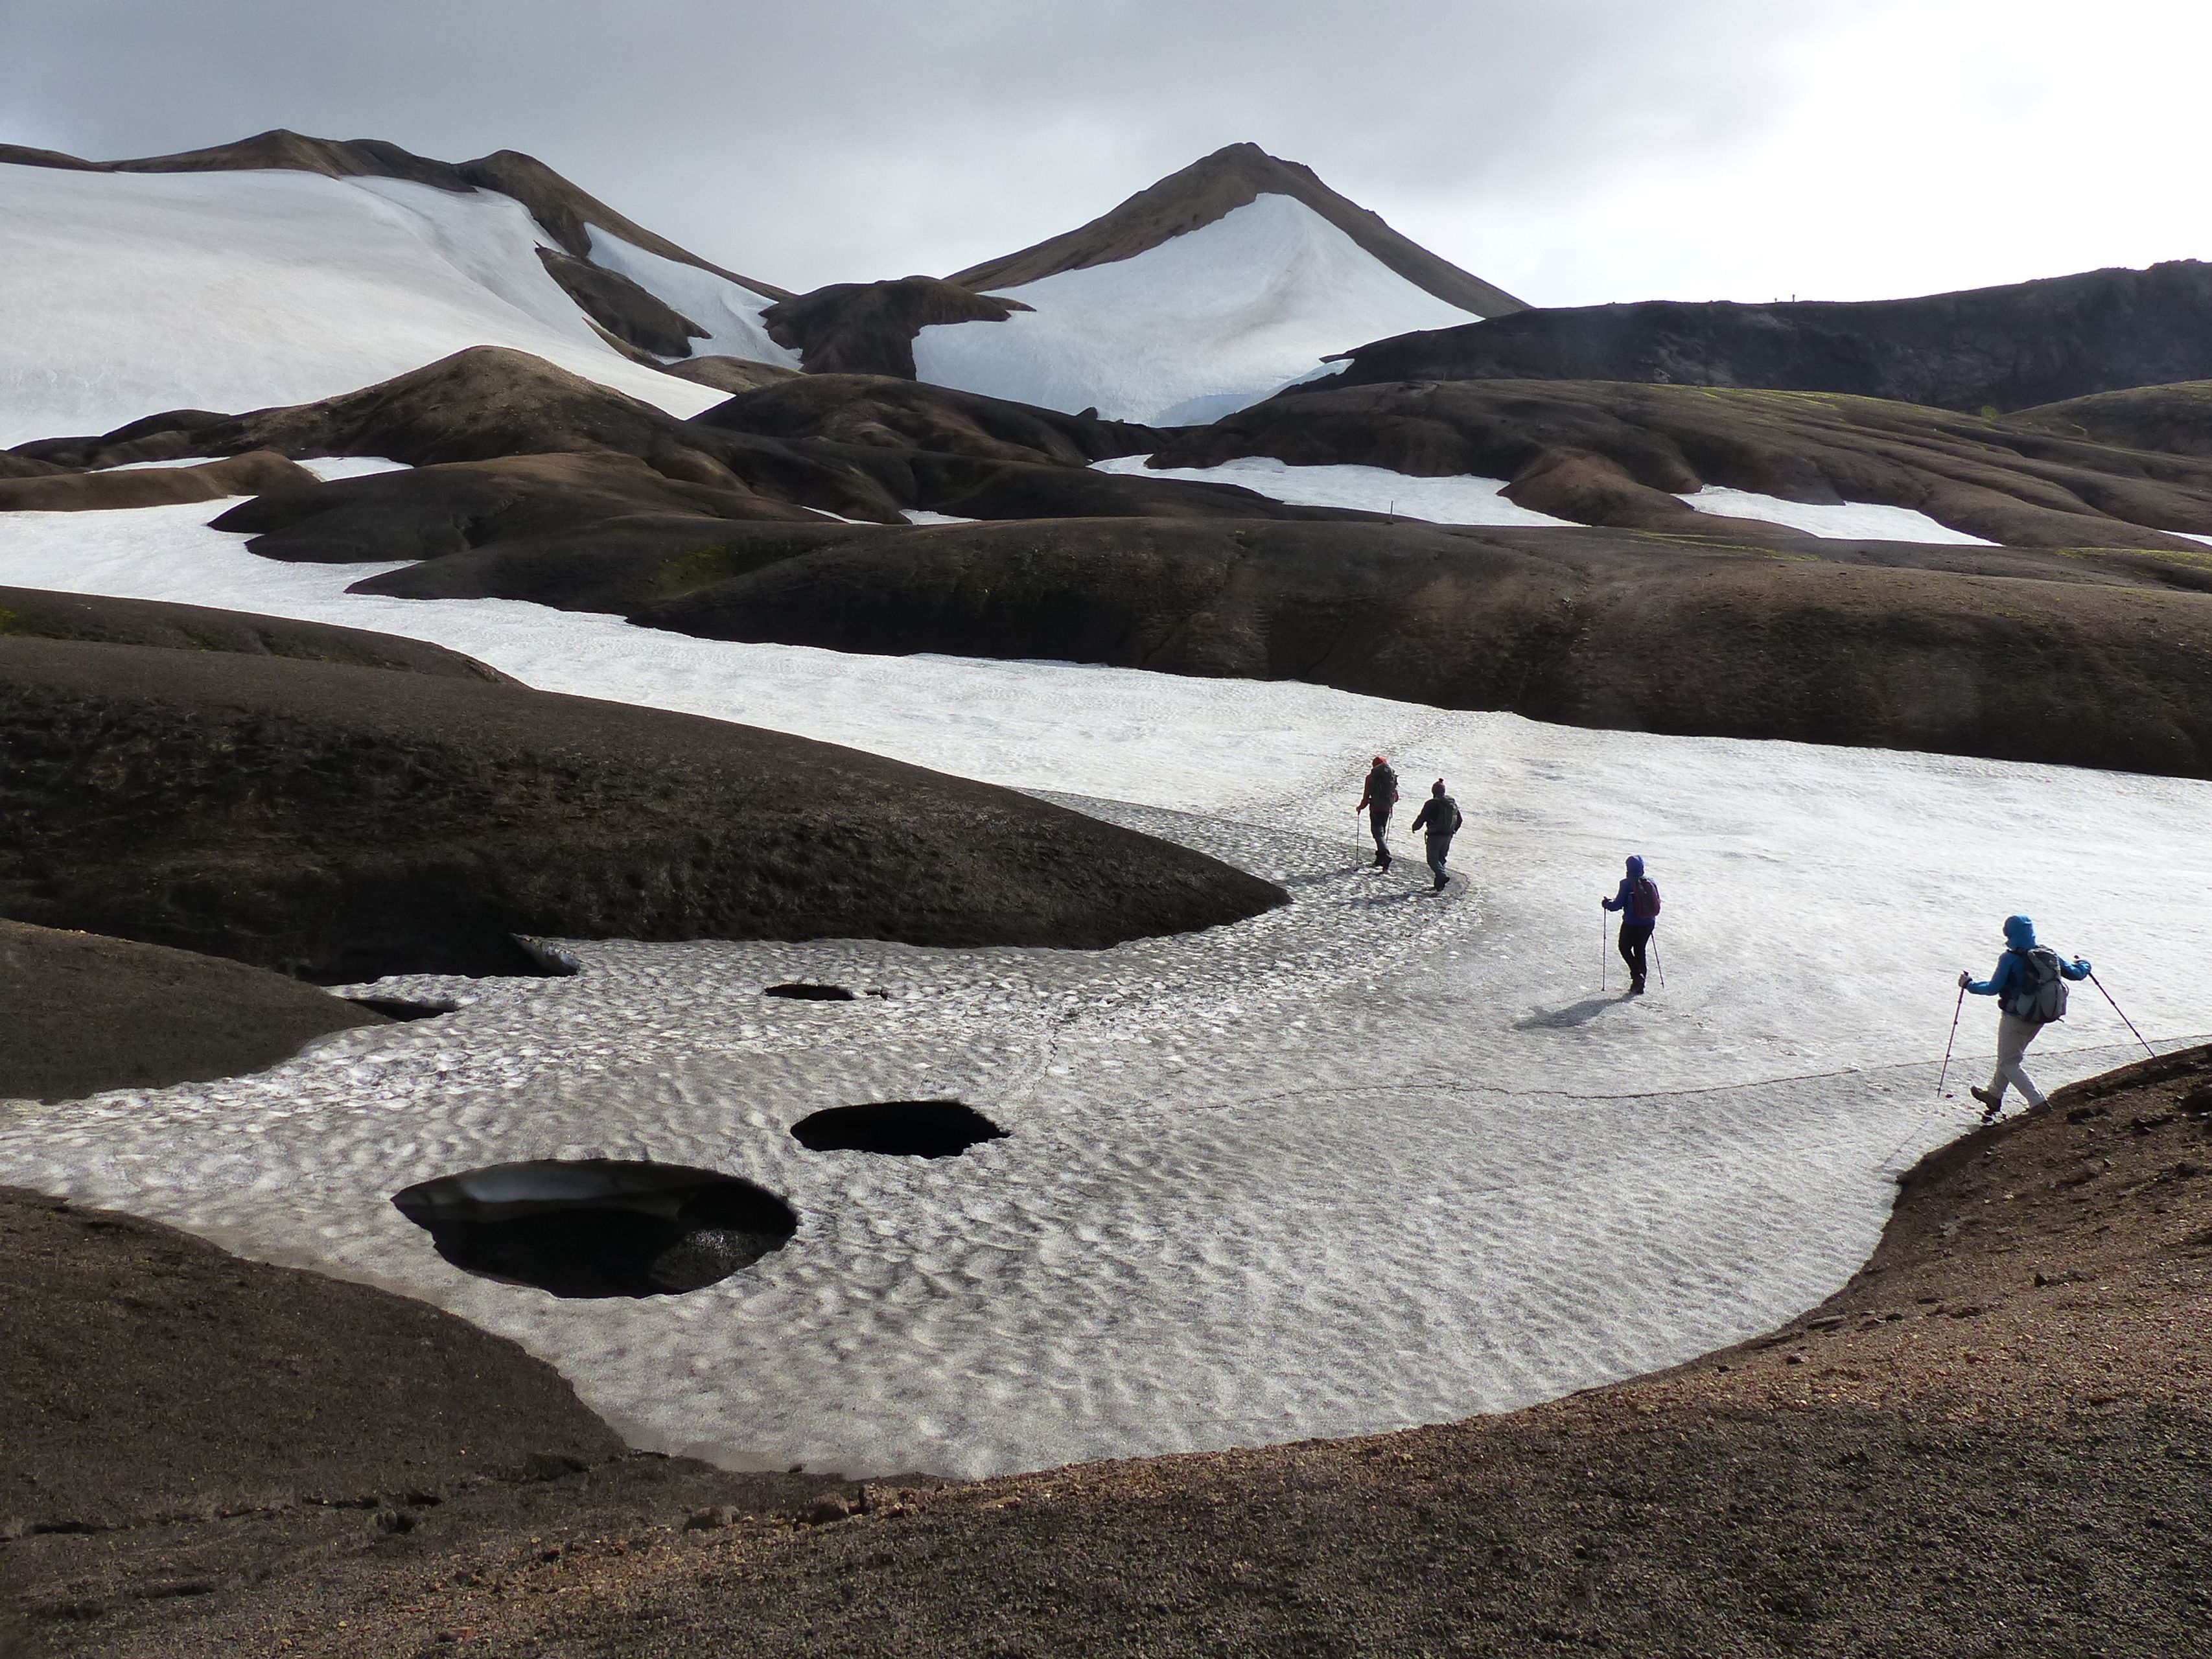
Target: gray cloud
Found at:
x=1570, y=150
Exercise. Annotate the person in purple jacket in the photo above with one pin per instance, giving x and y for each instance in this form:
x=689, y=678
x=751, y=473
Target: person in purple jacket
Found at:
x=1637, y=901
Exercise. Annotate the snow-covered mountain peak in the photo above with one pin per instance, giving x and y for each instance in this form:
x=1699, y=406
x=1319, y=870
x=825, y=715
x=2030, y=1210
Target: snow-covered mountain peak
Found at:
x=1198, y=295
x=1199, y=324
x=1208, y=191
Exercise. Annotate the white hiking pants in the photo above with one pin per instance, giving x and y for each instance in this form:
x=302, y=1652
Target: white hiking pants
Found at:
x=2013, y=1035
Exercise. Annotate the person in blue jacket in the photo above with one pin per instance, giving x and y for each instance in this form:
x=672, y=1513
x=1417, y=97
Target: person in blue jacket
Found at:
x=2029, y=985
x=1637, y=901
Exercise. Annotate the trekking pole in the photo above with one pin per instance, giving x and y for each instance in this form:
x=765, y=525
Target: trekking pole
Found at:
x=1601, y=953
x=1658, y=961
x=1957, y=1008
x=2124, y=1020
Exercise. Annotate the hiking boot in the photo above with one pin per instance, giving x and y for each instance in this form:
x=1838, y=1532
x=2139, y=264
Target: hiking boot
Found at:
x=1636, y=987
x=1382, y=859
x=1439, y=887
x=1991, y=1105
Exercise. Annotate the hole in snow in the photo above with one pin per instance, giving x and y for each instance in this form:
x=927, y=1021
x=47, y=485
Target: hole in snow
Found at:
x=600, y=1226
x=900, y=1128
x=801, y=993
x=403, y=1007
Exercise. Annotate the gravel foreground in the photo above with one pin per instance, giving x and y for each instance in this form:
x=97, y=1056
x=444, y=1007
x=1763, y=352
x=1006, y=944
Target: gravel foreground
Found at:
x=1996, y=1440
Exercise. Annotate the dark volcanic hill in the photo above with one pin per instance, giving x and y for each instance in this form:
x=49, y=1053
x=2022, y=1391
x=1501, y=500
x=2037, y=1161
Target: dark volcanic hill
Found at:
x=868, y=328
x=555, y=451
x=1217, y=185
x=342, y=823
x=2001, y=348
x=1607, y=453
x=2074, y=658
x=87, y=1014
x=2174, y=419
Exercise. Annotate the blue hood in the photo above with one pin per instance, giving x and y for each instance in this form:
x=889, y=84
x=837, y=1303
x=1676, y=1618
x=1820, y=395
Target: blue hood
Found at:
x=2020, y=933
x=1636, y=865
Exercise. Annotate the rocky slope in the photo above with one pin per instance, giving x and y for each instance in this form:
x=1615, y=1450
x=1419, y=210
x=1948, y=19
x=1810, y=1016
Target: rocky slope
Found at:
x=183, y=1424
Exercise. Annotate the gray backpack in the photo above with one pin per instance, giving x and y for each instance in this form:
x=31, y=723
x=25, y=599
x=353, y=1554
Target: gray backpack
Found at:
x=2039, y=994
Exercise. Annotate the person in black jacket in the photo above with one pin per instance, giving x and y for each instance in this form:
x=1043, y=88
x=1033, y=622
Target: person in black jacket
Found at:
x=1376, y=800
x=1440, y=816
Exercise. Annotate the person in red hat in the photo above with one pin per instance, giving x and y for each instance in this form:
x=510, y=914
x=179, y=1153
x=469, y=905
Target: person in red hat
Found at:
x=1376, y=800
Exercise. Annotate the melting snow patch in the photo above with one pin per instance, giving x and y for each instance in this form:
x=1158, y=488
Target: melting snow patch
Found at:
x=330, y=467
x=1863, y=521
x=729, y=312
x=1463, y=500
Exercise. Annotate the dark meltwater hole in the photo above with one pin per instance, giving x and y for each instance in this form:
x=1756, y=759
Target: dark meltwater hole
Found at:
x=901, y=1128
x=810, y=992
x=600, y=1226
x=403, y=1007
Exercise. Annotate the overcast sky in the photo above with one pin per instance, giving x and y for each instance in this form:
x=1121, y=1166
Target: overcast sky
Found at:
x=1569, y=150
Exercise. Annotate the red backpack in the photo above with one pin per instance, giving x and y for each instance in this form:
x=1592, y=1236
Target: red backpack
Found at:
x=1644, y=900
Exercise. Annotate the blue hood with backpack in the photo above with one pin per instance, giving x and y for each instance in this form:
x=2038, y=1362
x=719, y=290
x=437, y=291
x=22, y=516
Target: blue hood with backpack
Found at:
x=2028, y=984
x=1637, y=901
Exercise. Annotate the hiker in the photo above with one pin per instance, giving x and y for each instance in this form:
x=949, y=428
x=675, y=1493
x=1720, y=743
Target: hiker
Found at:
x=1376, y=800
x=1637, y=901
x=2030, y=987
x=1440, y=816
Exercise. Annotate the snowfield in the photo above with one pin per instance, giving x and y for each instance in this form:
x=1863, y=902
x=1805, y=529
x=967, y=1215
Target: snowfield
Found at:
x=1187, y=332
x=1468, y=500
x=1459, y=499
x=129, y=294
x=1372, y=1160
x=1847, y=521
x=729, y=312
